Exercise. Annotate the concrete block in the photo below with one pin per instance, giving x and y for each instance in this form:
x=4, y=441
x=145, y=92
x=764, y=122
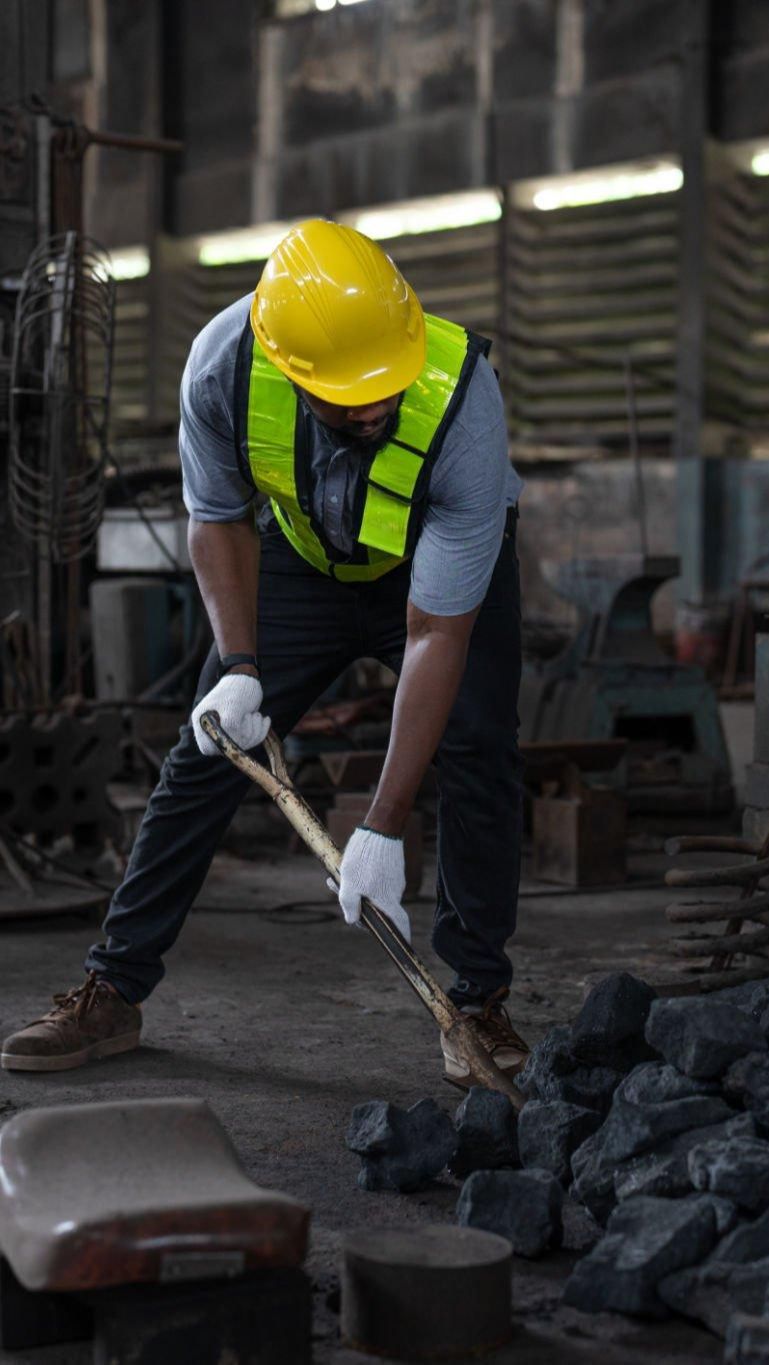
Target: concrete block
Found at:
x=486, y=1133
x=738, y=1169
x=712, y=1293
x=701, y=1037
x=747, y=1340
x=609, y=1029
x=646, y=1239
x=524, y=1206
x=549, y=1132
x=401, y=1149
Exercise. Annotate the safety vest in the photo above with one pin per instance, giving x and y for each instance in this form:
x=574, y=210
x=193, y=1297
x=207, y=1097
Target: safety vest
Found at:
x=272, y=434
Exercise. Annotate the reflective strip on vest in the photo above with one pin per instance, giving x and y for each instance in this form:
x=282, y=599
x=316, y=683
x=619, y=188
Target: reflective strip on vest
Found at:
x=394, y=477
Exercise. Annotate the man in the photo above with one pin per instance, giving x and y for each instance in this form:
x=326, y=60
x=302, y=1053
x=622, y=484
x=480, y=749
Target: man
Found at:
x=379, y=436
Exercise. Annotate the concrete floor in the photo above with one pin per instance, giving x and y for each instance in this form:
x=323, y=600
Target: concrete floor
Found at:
x=283, y=1019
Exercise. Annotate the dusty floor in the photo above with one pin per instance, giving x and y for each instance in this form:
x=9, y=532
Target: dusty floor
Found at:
x=284, y=1018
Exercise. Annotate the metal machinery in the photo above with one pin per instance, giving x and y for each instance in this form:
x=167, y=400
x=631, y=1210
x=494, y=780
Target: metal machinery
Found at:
x=613, y=681
x=60, y=383
x=58, y=749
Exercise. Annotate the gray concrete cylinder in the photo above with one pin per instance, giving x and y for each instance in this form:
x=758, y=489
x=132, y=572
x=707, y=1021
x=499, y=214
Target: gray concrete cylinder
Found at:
x=434, y=1293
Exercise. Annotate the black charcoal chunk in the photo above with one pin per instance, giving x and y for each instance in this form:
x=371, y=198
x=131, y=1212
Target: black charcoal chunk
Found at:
x=726, y=1214
x=737, y=1169
x=524, y=1206
x=664, y=1170
x=548, y=1133
x=752, y=997
x=747, y=1340
x=646, y=1239
x=400, y=1149
x=749, y=1241
x=598, y=1173
x=659, y=1083
x=486, y=1132
x=554, y=1073
x=747, y=1080
x=609, y=1029
x=711, y=1293
x=550, y=1057
x=702, y=1036
x=590, y=1087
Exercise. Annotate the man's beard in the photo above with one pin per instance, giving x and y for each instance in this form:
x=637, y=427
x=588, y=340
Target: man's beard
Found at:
x=372, y=444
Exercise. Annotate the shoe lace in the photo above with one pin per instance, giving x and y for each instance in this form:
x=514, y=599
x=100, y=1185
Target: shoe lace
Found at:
x=496, y=1025
x=80, y=1000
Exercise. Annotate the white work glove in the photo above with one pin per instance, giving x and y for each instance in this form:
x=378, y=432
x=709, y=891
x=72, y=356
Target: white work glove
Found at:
x=236, y=700
x=373, y=866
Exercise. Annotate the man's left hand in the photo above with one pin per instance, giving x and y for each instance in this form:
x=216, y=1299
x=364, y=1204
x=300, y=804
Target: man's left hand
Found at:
x=374, y=867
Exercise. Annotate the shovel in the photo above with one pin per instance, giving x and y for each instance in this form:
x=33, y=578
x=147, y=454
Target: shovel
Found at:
x=276, y=782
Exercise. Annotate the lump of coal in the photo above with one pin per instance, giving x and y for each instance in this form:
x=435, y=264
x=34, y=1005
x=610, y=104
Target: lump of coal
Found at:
x=486, y=1133
x=725, y=1212
x=747, y=1080
x=711, y=1293
x=658, y=1083
x=752, y=997
x=400, y=1149
x=554, y=1073
x=550, y=1058
x=524, y=1206
x=737, y=1169
x=747, y=1340
x=663, y=1170
x=646, y=1239
x=702, y=1037
x=548, y=1133
x=747, y=1242
x=609, y=1029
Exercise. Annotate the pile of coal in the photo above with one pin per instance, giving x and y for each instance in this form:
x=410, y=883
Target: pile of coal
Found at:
x=678, y=1171
x=653, y=1115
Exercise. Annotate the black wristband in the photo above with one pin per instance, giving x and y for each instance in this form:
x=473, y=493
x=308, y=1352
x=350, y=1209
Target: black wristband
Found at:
x=396, y=838
x=232, y=660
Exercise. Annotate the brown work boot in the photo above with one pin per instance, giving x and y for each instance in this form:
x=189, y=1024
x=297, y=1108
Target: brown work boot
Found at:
x=506, y=1047
x=91, y=1021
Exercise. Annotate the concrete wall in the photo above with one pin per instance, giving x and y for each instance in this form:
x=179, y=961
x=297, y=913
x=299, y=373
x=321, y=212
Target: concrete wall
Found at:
x=391, y=99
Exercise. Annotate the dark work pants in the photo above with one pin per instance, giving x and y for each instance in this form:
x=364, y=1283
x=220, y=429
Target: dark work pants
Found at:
x=310, y=628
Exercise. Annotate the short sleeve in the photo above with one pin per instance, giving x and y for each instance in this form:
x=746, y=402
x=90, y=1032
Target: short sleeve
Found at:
x=214, y=486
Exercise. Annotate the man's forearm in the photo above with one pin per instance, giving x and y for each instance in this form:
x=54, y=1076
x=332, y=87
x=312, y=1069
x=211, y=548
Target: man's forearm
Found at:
x=225, y=557
x=433, y=664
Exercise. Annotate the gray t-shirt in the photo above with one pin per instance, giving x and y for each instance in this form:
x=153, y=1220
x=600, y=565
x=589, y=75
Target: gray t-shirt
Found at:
x=471, y=487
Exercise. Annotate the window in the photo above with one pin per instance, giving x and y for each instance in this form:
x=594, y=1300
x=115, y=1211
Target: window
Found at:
x=287, y=9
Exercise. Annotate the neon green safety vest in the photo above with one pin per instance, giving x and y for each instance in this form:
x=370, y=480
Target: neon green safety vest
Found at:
x=270, y=434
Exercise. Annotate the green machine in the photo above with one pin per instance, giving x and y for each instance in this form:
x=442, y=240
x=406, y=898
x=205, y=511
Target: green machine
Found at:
x=613, y=681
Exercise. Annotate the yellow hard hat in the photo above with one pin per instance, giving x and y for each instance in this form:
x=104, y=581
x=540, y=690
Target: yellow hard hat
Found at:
x=336, y=316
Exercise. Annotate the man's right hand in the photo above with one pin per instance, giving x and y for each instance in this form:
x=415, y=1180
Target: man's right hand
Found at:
x=236, y=699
